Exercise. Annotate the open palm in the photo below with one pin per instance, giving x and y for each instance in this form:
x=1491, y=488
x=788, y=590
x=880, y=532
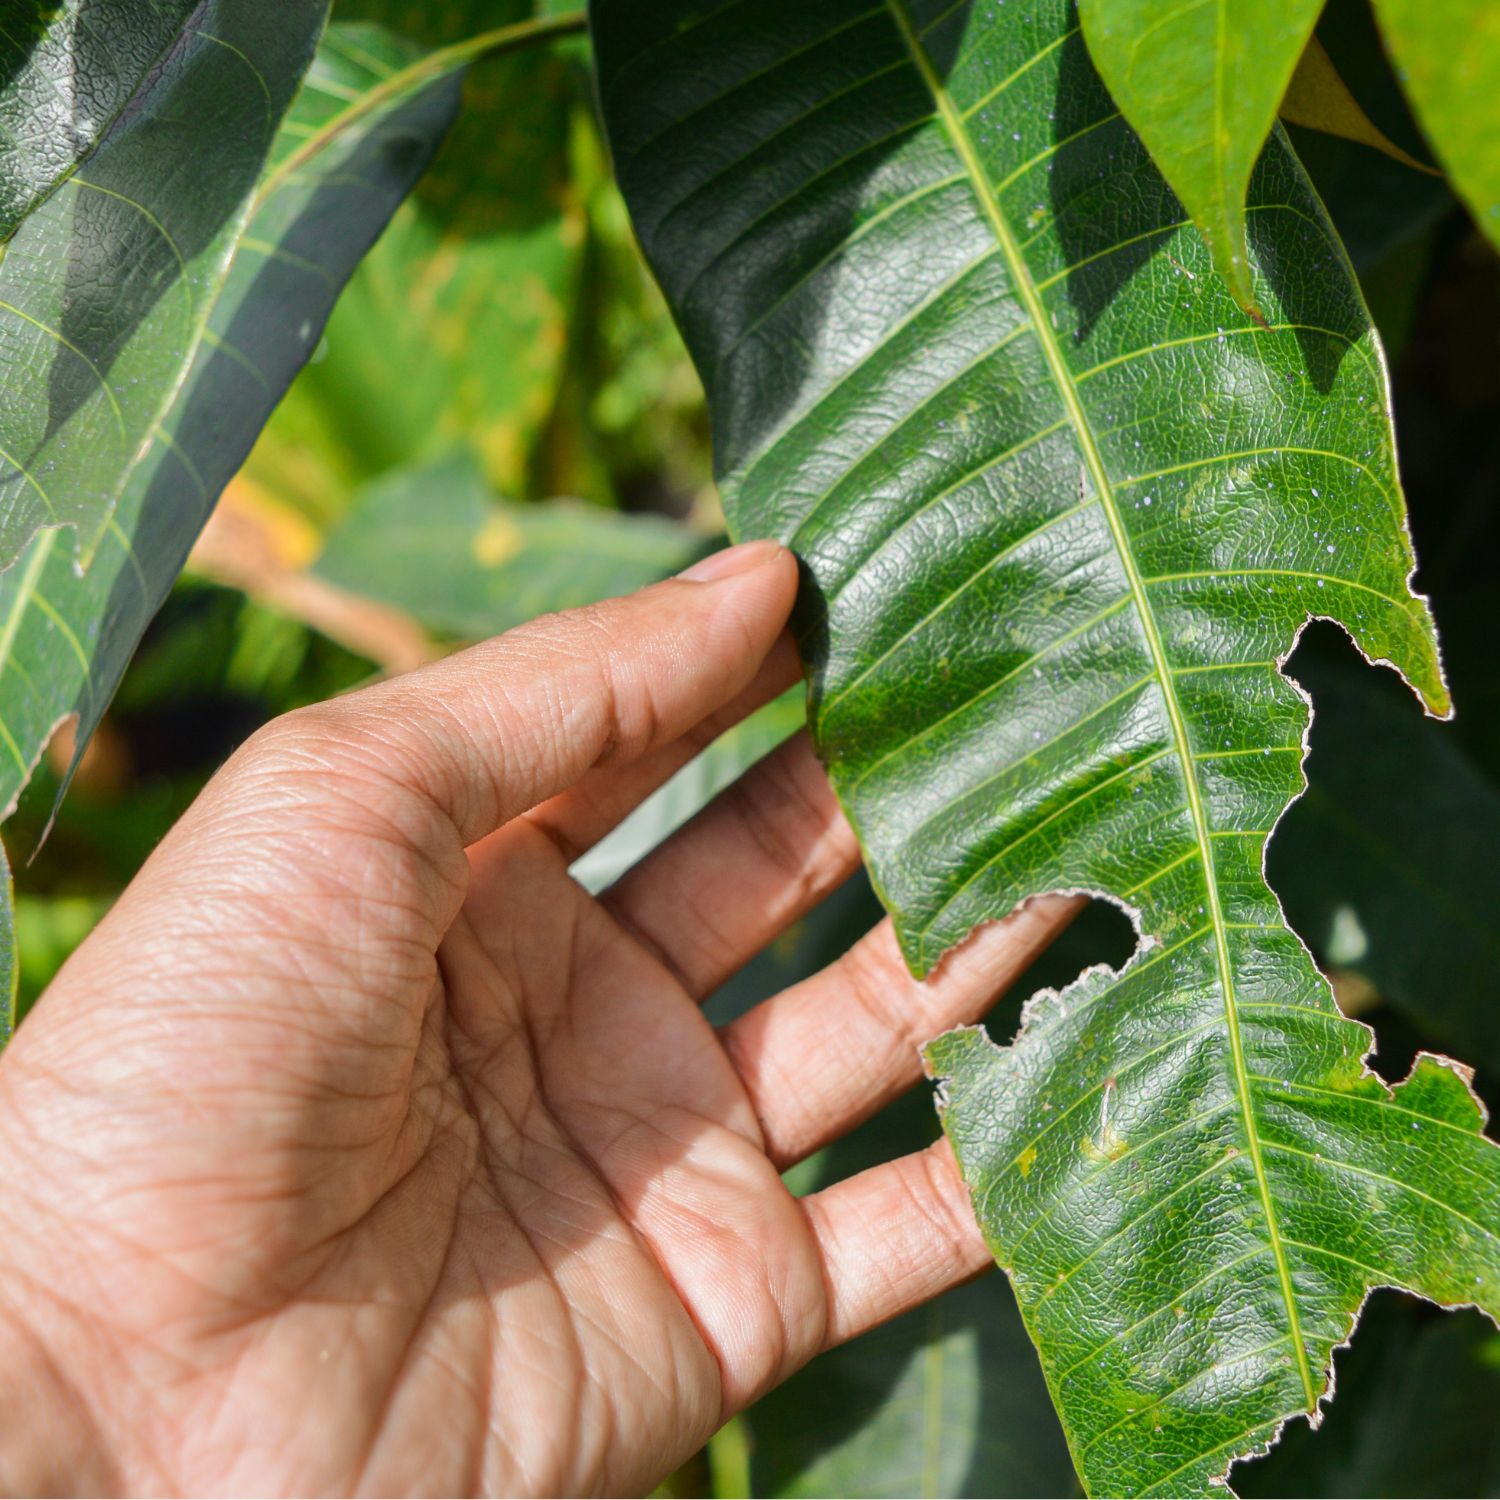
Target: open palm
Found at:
x=361, y=1150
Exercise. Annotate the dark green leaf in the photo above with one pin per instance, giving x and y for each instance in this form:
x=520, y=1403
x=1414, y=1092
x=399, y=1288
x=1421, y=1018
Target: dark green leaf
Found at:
x=68, y=69
x=1201, y=84
x=107, y=287
x=1448, y=55
x=1062, y=510
x=65, y=639
x=435, y=542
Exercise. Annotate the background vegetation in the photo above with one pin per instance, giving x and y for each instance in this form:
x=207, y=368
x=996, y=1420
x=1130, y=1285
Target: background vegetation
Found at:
x=500, y=421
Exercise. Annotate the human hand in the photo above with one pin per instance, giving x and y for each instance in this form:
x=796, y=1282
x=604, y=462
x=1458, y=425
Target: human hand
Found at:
x=361, y=1150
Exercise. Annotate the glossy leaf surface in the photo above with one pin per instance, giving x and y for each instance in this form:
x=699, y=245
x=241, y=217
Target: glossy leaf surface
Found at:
x=1201, y=84
x=68, y=69
x=65, y=639
x=107, y=286
x=1062, y=508
x=1447, y=53
x=435, y=542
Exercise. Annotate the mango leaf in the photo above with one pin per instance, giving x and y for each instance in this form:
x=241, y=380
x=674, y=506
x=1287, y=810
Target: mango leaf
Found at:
x=107, y=286
x=339, y=171
x=68, y=69
x=455, y=328
x=1200, y=83
x=946, y=1400
x=1448, y=56
x=1379, y=207
x=1062, y=509
x=1317, y=98
x=1416, y=1415
x=435, y=542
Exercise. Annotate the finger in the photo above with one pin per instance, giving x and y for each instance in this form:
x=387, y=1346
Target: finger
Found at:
x=489, y=733
x=827, y=1053
x=893, y=1238
x=578, y=818
x=761, y=854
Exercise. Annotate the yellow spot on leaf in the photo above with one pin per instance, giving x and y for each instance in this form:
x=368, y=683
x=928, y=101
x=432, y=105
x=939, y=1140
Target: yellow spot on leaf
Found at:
x=497, y=541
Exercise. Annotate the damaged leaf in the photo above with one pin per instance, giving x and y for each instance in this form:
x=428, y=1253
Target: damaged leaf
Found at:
x=1062, y=508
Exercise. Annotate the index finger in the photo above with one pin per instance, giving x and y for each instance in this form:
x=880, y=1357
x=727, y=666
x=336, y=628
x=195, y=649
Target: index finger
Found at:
x=491, y=732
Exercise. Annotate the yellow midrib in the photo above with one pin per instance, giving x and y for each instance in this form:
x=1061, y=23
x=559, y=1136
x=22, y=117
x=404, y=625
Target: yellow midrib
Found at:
x=1031, y=299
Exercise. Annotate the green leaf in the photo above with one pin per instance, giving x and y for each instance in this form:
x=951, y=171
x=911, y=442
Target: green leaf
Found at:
x=107, y=286
x=68, y=69
x=946, y=1400
x=1201, y=83
x=455, y=329
x=65, y=639
x=1447, y=53
x=1416, y=1414
x=1062, y=509
x=435, y=542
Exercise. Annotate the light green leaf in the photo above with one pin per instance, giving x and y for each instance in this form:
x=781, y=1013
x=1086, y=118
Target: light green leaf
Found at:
x=1447, y=54
x=68, y=69
x=107, y=286
x=435, y=542
x=65, y=639
x=1201, y=83
x=455, y=329
x=1062, y=509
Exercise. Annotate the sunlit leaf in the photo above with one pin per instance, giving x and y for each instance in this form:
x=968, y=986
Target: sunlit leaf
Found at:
x=1062, y=508
x=107, y=286
x=1447, y=53
x=68, y=69
x=1201, y=83
x=454, y=330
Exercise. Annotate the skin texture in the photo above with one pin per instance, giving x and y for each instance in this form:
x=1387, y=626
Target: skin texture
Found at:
x=361, y=1150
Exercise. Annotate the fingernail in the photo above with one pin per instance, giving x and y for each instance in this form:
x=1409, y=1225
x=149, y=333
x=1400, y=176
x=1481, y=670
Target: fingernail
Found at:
x=731, y=560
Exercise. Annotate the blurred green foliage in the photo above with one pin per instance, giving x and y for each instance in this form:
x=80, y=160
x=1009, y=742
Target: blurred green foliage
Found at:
x=502, y=347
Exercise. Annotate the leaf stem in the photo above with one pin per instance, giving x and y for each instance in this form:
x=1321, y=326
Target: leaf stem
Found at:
x=494, y=43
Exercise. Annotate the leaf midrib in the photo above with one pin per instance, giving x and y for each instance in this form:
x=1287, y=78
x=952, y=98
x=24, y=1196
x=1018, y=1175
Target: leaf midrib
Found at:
x=1027, y=291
